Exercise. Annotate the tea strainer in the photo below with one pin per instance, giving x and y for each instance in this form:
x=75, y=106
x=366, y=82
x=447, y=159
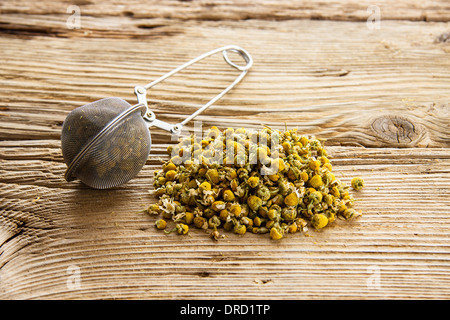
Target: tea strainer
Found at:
x=107, y=142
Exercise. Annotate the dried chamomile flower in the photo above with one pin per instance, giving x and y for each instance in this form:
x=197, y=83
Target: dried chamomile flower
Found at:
x=218, y=205
x=314, y=165
x=316, y=181
x=182, y=228
x=276, y=233
x=254, y=202
x=153, y=209
x=350, y=213
x=200, y=222
x=319, y=221
x=170, y=175
x=253, y=181
x=188, y=217
x=239, y=180
x=357, y=183
x=213, y=176
x=235, y=209
x=160, y=224
x=240, y=229
x=291, y=199
x=228, y=196
x=205, y=186
x=292, y=228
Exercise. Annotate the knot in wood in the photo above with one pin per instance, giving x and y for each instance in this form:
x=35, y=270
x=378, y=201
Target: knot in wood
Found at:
x=397, y=131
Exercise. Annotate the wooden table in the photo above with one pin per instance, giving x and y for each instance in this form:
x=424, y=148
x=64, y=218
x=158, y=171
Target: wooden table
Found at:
x=379, y=96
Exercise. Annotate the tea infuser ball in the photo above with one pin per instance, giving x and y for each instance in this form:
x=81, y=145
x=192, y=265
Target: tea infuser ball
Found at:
x=107, y=142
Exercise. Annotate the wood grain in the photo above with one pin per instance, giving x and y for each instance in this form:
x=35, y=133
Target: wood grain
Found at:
x=404, y=232
x=225, y=10
x=380, y=98
x=297, y=79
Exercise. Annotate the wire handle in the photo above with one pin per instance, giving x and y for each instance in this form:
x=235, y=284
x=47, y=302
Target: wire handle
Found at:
x=141, y=91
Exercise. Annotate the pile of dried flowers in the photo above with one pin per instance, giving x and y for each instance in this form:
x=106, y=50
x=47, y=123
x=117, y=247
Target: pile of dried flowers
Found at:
x=264, y=181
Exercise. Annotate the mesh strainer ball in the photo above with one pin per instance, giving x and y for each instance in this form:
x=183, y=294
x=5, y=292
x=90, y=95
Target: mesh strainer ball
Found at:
x=105, y=143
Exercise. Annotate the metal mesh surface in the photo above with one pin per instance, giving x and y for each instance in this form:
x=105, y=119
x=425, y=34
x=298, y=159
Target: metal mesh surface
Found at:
x=104, y=158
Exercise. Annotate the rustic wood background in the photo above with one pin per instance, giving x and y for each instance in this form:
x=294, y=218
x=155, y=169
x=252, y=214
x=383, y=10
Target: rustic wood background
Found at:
x=380, y=96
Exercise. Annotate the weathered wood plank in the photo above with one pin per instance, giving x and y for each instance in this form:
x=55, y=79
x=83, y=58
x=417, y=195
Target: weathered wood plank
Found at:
x=380, y=97
x=416, y=10
x=352, y=86
x=404, y=232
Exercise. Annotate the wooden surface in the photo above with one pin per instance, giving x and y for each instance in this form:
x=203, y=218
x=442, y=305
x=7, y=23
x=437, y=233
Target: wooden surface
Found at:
x=381, y=97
